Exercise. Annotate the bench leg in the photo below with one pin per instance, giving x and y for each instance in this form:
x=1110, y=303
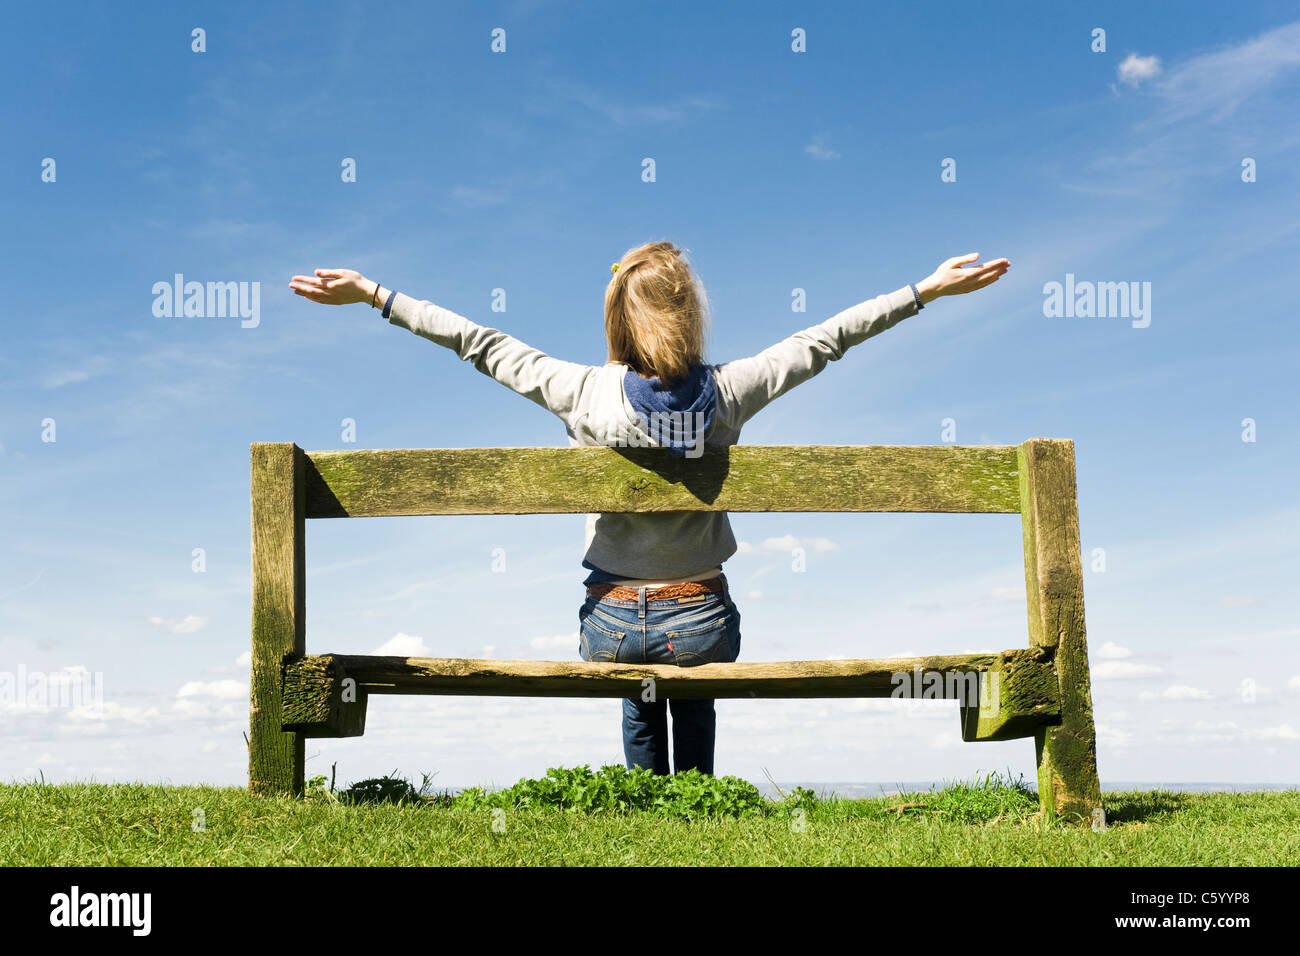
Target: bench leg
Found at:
x=1068, y=785
x=275, y=758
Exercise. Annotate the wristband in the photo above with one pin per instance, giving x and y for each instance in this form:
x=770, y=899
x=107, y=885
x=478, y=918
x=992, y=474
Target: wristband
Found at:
x=373, y=295
x=916, y=295
x=388, y=306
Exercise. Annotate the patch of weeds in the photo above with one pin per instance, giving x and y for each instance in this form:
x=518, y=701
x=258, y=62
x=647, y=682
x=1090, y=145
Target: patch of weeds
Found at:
x=392, y=789
x=614, y=789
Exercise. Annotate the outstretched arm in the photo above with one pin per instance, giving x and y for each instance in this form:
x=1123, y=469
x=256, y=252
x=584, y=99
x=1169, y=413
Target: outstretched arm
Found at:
x=554, y=384
x=748, y=385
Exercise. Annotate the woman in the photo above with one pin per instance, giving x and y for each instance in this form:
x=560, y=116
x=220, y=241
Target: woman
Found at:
x=655, y=588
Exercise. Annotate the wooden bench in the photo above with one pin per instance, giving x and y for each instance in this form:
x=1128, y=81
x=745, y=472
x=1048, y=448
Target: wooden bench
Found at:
x=1041, y=691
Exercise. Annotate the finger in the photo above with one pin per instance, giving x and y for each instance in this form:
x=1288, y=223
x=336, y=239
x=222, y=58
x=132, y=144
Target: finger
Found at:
x=307, y=280
x=329, y=273
x=968, y=258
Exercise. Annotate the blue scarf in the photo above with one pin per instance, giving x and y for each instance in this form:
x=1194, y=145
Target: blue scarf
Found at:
x=690, y=402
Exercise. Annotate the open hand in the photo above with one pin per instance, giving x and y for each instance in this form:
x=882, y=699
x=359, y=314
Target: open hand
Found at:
x=334, y=287
x=958, y=276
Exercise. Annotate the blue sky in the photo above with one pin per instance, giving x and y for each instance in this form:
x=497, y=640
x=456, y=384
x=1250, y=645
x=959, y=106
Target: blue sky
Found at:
x=522, y=171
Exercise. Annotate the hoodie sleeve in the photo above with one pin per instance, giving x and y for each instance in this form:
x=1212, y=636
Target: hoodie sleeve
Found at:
x=748, y=385
x=552, y=383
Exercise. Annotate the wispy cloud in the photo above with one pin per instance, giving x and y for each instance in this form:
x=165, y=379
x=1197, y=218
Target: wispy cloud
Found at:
x=628, y=112
x=1177, y=692
x=476, y=197
x=1217, y=84
x=82, y=372
x=785, y=544
x=1123, y=670
x=1201, y=106
x=818, y=149
x=191, y=624
x=220, y=689
x=569, y=640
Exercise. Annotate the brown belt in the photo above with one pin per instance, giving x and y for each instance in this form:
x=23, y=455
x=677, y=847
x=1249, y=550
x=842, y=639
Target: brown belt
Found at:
x=619, y=592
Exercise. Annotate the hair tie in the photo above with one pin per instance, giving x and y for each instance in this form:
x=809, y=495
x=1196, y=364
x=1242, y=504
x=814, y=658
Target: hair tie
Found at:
x=614, y=268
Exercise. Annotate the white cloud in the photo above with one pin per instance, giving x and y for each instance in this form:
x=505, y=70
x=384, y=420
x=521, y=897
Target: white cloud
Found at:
x=1177, y=692
x=1109, y=735
x=1135, y=69
x=1293, y=683
x=1280, y=732
x=96, y=715
x=1123, y=670
x=559, y=640
x=1227, y=731
x=403, y=645
x=244, y=660
x=1110, y=651
x=785, y=544
x=209, y=700
x=218, y=689
x=191, y=624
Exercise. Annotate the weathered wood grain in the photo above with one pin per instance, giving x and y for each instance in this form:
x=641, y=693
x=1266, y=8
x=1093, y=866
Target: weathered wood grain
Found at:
x=275, y=758
x=320, y=700
x=1023, y=697
x=1067, y=753
x=777, y=679
x=446, y=481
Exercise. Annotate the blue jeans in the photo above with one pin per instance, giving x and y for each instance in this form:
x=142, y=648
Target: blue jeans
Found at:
x=683, y=631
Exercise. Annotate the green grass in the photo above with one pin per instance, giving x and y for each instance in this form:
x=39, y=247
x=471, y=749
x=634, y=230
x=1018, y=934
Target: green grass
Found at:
x=579, y=817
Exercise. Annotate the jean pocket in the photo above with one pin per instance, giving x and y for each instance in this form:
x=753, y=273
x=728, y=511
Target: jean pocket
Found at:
x=704, y=642
x=599, y=643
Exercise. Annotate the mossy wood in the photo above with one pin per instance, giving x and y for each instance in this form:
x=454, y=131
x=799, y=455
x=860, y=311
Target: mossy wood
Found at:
x=1017, y=696
x=275, y=757
x=464, y=481
x=1042, y=691
x=317, y=705
x=1049, y=519
x=322, y=700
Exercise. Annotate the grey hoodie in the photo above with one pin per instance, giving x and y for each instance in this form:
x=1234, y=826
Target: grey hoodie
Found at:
x=592, y=403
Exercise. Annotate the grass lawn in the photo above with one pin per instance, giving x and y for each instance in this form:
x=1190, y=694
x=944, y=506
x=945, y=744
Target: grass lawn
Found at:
x=142, y=825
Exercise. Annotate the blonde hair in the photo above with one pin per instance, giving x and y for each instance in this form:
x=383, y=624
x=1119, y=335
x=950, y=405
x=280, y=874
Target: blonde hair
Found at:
x=656, y=313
